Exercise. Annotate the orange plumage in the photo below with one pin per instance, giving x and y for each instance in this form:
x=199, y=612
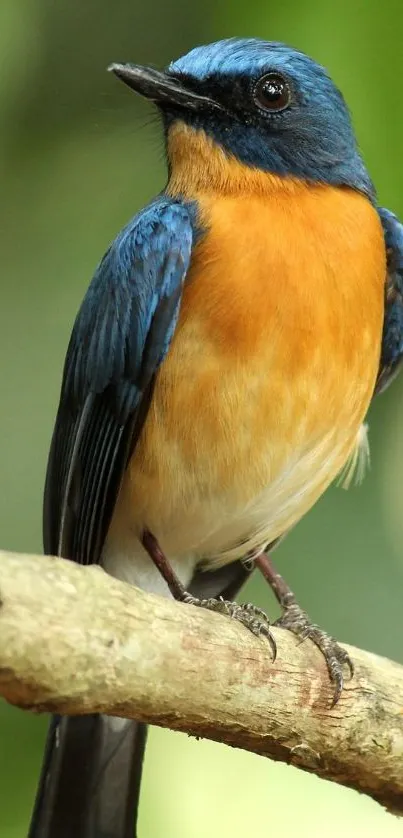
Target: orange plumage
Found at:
x=261, y=398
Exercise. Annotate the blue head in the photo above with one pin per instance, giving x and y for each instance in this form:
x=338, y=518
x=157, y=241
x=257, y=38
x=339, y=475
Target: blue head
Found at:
x=266, y=104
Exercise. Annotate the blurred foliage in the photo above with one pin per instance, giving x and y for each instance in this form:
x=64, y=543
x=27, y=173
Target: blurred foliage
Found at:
x=78, y=156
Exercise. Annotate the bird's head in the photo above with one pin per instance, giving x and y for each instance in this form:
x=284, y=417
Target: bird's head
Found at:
x=263, y=105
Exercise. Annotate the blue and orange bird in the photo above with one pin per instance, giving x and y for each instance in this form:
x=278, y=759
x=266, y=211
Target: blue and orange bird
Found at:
x=219, y=371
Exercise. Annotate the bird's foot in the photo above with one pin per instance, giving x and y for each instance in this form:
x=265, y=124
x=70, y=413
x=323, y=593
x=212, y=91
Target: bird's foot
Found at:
x=249, y=615
x=297, y=621
x=253, y=618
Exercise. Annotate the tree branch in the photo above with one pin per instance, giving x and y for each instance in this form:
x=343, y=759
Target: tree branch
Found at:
x=74, y=640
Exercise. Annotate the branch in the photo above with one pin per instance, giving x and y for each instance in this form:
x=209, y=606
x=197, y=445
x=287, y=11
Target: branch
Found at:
x=74, y=640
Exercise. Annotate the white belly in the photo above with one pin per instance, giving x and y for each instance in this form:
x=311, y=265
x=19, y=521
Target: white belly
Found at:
x=215, y=533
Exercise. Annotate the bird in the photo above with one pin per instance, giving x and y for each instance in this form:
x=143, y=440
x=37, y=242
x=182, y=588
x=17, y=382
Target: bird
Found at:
x=218, y=373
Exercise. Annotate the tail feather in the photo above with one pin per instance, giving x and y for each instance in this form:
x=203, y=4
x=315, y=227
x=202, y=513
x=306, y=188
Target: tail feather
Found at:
x=90, y=779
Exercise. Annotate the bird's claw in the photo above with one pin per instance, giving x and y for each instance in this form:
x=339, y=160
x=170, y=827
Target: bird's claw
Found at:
x=253, y=618
x=297, y=621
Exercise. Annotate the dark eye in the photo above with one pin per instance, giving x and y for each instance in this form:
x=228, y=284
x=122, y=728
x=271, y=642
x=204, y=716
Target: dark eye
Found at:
x=272, y=93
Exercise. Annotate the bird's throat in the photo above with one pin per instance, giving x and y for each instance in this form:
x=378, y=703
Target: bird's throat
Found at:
x=199, y=165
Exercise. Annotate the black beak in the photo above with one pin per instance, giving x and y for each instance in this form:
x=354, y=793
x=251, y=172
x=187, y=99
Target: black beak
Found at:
x=161, y=87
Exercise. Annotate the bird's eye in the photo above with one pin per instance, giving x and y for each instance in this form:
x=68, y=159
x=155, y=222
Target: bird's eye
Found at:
x=272, y=93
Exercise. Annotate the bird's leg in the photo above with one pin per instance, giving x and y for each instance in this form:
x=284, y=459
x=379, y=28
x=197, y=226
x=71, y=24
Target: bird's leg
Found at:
x=162, y=564
x=249, y=615
x=297, y=621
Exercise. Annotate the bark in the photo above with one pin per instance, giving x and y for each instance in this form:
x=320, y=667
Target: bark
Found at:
x=74, y=640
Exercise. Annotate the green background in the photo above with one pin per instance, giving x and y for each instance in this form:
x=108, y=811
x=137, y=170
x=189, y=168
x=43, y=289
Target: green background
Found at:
x=79, y=155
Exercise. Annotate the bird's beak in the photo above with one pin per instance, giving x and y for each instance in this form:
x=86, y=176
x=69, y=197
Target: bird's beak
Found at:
x=161, y=87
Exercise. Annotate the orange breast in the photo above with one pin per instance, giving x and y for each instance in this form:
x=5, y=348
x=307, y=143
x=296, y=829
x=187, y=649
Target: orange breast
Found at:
x=271, y=369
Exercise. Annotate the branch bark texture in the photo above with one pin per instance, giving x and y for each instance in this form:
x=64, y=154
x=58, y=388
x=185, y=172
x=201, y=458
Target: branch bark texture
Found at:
x=74, y=640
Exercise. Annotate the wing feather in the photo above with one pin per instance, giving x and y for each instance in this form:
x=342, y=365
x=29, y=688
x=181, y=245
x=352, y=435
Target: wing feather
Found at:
x=121, y=335
x=392, y=337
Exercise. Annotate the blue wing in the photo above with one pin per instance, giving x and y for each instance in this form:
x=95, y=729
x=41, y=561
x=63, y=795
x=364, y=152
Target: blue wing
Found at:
x=122, y=333
x=392, y=337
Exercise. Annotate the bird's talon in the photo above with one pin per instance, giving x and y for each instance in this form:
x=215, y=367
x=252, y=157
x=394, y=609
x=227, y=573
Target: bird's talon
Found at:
x=189, y=599
x=249, y=615
x=297, y=621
